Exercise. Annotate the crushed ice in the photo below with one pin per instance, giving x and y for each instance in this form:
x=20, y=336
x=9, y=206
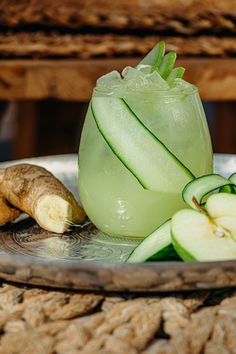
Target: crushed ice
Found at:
x=141, y=79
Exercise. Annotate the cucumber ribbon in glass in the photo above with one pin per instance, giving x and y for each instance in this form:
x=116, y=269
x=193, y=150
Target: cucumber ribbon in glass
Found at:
x=140, y=151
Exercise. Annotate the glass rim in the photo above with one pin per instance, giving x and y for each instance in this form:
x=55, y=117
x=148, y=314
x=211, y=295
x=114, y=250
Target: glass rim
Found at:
x=159, y=92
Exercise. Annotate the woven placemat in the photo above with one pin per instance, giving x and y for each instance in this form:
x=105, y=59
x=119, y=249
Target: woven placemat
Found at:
x=38, y=321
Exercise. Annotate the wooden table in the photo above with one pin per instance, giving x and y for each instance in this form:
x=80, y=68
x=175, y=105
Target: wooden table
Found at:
x=40, y=321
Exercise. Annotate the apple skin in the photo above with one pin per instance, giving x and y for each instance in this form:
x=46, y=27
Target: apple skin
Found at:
x=187, y=216
x=183, y=253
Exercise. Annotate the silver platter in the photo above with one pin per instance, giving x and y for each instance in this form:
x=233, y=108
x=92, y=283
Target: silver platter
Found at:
x=86, y=258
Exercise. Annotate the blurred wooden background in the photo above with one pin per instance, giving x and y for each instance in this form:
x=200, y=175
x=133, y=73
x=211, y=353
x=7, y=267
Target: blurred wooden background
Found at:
x=52, y=52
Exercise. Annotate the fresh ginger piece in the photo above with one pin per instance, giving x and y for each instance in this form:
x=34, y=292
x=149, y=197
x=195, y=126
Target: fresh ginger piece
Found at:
x=7, y=212
x=41, y=195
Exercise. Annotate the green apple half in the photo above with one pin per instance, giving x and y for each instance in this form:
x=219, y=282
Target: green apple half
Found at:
x=207, y=235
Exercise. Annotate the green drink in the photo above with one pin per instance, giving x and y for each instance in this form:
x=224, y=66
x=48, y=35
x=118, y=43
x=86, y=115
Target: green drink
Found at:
x=145, y=136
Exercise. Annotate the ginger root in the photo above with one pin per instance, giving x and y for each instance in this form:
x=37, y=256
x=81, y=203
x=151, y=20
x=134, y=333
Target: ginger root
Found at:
x=39, y=194
x=7, y=212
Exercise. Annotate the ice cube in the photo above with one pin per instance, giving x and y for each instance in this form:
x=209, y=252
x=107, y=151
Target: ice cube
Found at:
x=137, y=83
x=133, y=78
x=143, y=79
x=130, y=73
x=182, y=85
x=109, y=82
x=156, y=81
x=146, y=69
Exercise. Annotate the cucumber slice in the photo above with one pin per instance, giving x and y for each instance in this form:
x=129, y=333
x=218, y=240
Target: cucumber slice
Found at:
x=176, y=73
x=155, y=56
x=157, y=246
x=167, y=65
x=166, y=254
x=200, y=187
x=163, y=63
x=232, y=179
x=145, y=156
x=228, y=189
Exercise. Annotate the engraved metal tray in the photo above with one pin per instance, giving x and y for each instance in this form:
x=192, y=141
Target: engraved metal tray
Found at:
x=86, y=258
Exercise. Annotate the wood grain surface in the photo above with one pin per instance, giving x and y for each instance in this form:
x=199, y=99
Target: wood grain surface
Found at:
x=49, y=44
x=73, y=80
x=34, y=320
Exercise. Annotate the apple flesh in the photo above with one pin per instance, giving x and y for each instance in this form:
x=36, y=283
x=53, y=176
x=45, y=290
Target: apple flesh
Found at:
x=209, y=235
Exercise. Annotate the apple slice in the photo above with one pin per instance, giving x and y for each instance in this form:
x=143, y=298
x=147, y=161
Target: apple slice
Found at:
x=206, y=236
x=221, y=204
